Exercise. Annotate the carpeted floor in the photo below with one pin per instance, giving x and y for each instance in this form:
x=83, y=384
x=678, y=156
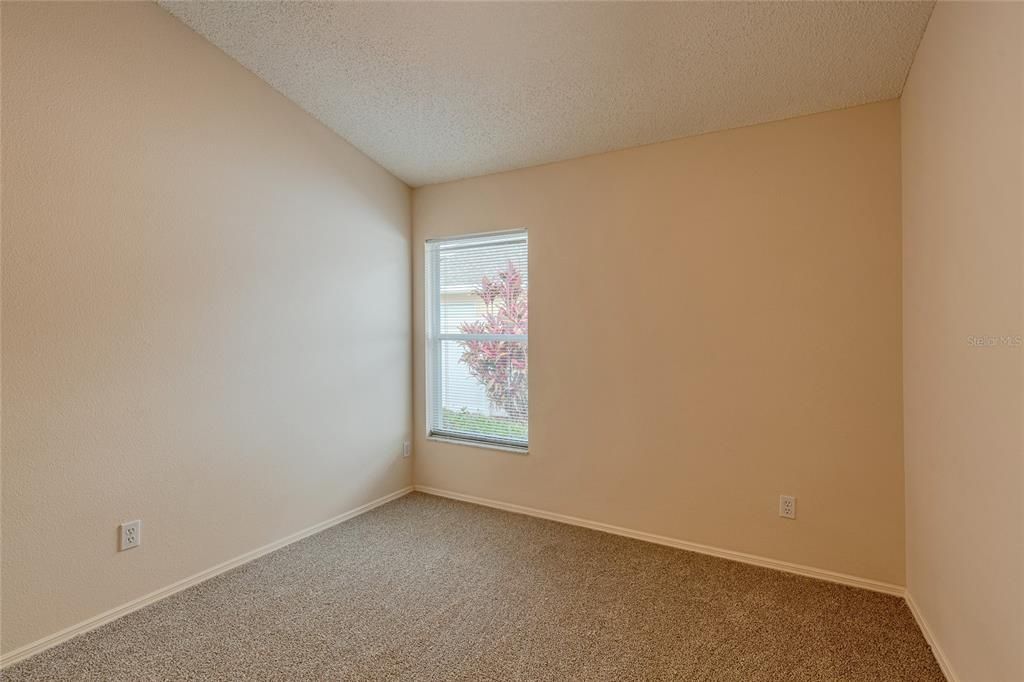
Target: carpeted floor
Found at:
x=426, y=588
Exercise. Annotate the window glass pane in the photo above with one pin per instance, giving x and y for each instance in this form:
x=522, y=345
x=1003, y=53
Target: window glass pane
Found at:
x=478, y=319
x=483, y=389
x=482, y=280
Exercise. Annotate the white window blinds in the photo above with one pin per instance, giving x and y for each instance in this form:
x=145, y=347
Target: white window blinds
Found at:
x=476, y=320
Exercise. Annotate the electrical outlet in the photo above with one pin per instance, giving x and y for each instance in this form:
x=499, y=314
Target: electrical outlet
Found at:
x=406, y=449
x=131, y=535
x=787, y=506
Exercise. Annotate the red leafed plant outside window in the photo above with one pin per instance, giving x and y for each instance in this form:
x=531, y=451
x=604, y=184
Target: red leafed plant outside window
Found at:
x=500, y=366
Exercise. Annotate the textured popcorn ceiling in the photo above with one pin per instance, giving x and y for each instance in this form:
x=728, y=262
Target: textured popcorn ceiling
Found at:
x=439, y=91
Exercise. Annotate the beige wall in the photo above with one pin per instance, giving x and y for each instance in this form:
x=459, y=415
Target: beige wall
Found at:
x=206, y=312
x=715, y=321
x=963, y=226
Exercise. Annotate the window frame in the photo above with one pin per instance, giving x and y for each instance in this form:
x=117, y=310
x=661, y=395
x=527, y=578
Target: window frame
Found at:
x=433, y=339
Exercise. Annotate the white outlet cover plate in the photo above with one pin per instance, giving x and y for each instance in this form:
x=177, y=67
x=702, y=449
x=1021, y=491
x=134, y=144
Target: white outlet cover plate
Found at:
x=787, y=506
x=131, y=535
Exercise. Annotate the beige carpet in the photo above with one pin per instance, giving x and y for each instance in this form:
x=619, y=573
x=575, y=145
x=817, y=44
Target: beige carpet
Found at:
x=430, y=589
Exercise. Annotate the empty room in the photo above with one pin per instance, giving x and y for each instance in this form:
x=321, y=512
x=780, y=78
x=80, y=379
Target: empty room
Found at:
x=592, y=341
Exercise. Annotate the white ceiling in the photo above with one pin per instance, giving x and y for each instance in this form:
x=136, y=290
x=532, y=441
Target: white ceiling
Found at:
x=439, y=91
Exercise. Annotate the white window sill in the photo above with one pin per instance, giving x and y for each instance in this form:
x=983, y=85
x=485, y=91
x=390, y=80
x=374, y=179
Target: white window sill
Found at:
x=481, y=444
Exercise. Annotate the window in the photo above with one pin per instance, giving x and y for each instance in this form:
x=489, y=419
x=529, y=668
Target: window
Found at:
x=476, y=319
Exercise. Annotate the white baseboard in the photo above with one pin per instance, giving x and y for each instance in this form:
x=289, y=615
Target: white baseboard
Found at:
x=24, y=652
x=40, y=645
x=798, y=569
x=940, y=655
